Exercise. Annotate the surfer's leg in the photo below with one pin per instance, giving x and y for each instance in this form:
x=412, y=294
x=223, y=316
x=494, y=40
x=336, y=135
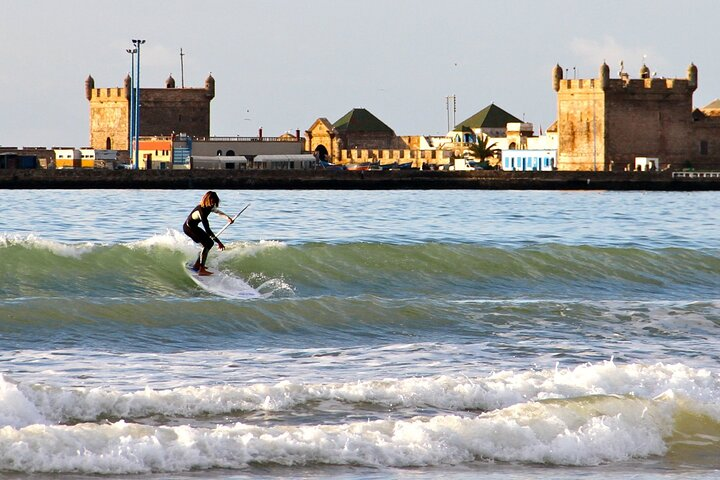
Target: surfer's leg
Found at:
x=199, y=235
x=207, y=245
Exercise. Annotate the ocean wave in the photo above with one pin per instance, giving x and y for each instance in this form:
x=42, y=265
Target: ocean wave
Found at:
x=589, y=415
x=592, y=430
x=28, y=403
x=32, y=267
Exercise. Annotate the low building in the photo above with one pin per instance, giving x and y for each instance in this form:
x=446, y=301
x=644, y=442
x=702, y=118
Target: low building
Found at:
x=183, y=147
x=71, y=158
x=155, y=153
x=45, y=157
x=219, y=162
x=11, y=161
x=529, y=160
x=100, y=158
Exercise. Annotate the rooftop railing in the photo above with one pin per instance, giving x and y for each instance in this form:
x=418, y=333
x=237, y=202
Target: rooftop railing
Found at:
x=247, y=139
x=696, y=174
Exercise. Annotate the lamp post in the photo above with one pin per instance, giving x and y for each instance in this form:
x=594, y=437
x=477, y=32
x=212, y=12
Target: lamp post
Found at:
x=137, y=43
x=131, y=110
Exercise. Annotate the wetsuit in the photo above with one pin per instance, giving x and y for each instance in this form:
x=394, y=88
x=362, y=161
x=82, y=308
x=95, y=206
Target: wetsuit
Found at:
x=204, y=237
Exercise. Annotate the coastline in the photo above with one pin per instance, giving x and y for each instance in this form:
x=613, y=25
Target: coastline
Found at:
x=349, y=180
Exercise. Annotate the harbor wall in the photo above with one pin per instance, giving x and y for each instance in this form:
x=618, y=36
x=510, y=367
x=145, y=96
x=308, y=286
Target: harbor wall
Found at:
x=343, y=179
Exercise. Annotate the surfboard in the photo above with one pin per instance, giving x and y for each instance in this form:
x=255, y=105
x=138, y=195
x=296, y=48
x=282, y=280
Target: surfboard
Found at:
x=222, y=284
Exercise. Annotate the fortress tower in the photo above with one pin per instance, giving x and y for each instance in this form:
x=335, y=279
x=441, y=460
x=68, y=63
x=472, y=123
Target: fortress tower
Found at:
x=163, y=111
x=604, y=123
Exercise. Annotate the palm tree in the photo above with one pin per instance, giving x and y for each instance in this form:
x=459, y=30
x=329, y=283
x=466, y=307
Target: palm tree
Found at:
x=481, y=150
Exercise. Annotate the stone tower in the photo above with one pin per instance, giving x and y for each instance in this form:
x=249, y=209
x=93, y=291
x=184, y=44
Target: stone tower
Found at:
x=163, y=111
x=604, y=123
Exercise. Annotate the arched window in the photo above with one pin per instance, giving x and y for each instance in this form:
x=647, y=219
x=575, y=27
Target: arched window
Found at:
x=513, y=146
x=230, y=153
x=108, y=144
x=219, y=153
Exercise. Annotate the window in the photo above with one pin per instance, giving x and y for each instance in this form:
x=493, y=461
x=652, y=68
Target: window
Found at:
x=703, y=147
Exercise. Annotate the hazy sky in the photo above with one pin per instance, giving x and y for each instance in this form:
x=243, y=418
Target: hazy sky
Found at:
x=281, y=64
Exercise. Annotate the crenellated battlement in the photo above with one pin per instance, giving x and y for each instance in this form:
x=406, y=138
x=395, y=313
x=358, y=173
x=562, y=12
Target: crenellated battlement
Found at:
x=646, y=83
x=639, y=85
x=111, y=93
x=579, y=84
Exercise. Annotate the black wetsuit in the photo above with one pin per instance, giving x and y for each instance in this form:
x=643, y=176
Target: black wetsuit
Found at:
x=204, y=237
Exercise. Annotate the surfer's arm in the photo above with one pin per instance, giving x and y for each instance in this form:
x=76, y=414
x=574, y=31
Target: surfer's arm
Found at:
x=224, y=215
x=210, y=233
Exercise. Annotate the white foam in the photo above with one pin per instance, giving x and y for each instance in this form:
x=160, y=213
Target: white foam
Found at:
x=496, y=391
x=15, y=408
x=614, y=429
x=171, y=240
x=247, y=249
x=178, y=241
x=588, y=415
x=73, y=250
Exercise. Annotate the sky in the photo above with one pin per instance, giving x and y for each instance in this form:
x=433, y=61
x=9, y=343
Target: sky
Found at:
x=281, y=64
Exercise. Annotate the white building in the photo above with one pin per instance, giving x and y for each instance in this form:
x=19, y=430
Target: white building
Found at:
x=529, y=160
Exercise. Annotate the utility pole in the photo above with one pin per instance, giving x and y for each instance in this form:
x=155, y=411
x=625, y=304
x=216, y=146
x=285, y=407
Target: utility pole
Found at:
x=182, y=69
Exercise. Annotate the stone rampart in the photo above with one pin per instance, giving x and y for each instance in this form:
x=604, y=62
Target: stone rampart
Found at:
x=341, y=179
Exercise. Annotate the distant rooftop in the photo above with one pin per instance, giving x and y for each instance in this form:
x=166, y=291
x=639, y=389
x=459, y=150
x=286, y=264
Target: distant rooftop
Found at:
x=491, y=116
x=714, y=105
x=360, y=120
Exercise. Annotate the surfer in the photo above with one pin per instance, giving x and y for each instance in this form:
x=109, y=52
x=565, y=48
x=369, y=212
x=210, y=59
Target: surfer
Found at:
x=209, y=203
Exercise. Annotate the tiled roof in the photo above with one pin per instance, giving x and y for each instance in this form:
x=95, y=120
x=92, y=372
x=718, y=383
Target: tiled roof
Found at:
x=360, y=120
x=491, y=116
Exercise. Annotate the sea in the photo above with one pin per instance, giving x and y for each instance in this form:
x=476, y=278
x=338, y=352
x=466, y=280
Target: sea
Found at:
x=399, y=334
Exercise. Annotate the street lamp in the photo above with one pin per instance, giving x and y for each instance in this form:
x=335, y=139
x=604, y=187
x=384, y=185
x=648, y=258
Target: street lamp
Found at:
x=131, y=114
x=137, y=43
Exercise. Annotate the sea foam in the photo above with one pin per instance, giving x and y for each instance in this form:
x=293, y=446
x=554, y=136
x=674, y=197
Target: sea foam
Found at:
x=613, y=429
x=73, y=250
x=496, y=391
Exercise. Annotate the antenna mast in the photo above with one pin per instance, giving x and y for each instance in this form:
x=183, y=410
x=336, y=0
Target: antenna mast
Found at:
x=182, y=69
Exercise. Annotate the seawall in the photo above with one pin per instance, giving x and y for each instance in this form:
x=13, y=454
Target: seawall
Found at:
x=360, y=180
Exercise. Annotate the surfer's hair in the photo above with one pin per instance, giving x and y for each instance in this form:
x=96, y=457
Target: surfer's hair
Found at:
x=210, y=199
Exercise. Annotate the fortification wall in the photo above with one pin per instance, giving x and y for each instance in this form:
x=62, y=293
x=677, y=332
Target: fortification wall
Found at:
x=581, y=126
x=163, y=111
x=109, y=119
x=167, y=110
x=369, y=140
x=705, y=145
x=606, y=123
x=649, y=120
